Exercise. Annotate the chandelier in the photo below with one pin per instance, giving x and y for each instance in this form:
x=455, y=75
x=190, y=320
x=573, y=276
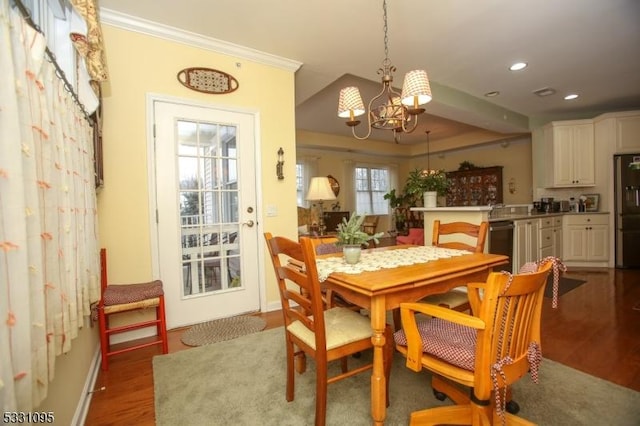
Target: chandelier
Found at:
x=388, y=110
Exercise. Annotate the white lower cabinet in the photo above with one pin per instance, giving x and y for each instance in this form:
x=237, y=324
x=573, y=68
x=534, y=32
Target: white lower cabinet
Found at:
x=525, y=242
x=550, y=237
x=558, y=250
x=586, y=237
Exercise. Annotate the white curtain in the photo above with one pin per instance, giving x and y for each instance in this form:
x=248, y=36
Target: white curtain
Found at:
x=309, y=170
x=349, y=186
x=48, y=220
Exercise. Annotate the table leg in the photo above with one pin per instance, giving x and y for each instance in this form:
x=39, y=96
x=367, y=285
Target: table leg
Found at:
x=378, y=380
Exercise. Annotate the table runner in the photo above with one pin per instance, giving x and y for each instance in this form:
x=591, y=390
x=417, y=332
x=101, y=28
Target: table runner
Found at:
x=375, y=260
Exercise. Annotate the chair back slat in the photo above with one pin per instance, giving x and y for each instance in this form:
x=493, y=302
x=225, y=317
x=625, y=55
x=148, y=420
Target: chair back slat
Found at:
x=298, y=284
x=477, y=232
x=511, y=309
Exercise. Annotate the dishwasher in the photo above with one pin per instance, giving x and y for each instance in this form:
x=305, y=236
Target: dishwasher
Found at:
x=501, y=241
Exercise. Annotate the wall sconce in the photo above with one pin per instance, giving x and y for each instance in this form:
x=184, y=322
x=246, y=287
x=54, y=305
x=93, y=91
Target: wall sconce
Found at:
x=280, y=165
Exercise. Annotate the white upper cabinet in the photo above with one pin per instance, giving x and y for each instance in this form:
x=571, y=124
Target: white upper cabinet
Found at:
x=620, y=130
x=570, y=147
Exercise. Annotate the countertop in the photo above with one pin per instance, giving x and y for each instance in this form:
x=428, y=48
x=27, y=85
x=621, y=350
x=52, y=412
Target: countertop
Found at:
x=519, y=212
x=452, y=209
x=516, y=216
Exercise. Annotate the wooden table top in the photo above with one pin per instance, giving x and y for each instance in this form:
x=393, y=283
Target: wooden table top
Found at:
x=419, y=274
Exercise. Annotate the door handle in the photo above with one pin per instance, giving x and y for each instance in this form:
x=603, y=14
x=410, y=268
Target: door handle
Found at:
x=249, y=223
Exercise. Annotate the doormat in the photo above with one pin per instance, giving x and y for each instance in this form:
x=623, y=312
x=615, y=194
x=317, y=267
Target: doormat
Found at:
x=565, y=285
x=222, y=329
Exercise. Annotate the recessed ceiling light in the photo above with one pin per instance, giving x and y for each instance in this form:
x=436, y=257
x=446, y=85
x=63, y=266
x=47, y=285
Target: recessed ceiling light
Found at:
x=570, y=97
x=492, y=94
x=518, y=66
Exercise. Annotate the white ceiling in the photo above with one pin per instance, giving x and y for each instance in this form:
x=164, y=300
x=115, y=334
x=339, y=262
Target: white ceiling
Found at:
x=590, y=47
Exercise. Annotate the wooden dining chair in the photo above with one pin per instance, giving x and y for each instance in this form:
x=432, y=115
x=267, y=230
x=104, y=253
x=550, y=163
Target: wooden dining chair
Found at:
x=329, y=245
x=370, y=226
x=451, y=235
x=324, y=335
x=459, y=236
x=487, y=352
x=117, y=299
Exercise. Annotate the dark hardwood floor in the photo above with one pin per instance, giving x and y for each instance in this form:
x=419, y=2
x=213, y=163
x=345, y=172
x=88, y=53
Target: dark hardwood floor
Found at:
x=595, y=329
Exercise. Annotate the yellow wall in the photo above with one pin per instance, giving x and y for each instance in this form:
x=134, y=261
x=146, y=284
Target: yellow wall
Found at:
x=141, y=64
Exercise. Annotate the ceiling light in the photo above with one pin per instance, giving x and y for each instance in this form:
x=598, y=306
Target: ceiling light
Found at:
x=571, y=97
x=388, y=110
x=518, y=66
x=492, y=94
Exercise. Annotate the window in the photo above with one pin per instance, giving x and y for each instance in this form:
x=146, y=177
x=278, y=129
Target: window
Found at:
x=300, y=185
x=371, y=185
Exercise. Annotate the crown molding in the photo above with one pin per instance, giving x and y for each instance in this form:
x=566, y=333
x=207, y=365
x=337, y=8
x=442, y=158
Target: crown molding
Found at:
x=154, y=29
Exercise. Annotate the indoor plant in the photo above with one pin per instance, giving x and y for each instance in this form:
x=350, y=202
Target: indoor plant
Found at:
x=398, y=202
x=421, y=181
x=351, y=237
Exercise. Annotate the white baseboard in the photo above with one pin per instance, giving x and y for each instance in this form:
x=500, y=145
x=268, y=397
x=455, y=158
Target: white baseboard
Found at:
x=82, y=409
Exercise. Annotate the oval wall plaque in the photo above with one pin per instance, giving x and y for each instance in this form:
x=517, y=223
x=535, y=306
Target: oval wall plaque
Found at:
x=207, y=80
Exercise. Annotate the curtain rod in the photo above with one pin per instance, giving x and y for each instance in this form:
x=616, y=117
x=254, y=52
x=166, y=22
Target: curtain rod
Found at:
x=52, y=58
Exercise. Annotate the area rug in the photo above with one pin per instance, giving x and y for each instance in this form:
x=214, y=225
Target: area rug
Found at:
x=242, y=382
x=222, y=329
x=565, y=285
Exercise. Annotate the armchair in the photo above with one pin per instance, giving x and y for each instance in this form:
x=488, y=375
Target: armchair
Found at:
x=415, y=237
x=487, y=353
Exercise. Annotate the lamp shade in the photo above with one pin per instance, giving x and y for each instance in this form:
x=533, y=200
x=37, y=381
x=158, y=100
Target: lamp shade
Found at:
x=416, y=89
x=350, y=100
x=320, y=190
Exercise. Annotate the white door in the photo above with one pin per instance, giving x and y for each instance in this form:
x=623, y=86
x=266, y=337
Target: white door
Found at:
x=205, y=184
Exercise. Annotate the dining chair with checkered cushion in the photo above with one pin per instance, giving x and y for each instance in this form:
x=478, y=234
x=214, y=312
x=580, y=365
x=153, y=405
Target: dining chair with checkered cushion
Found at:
x=118, y=299
x=485, y=353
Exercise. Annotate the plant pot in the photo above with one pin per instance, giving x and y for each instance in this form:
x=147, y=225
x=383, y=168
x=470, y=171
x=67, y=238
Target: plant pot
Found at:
x=430, y=199
x=352, y=254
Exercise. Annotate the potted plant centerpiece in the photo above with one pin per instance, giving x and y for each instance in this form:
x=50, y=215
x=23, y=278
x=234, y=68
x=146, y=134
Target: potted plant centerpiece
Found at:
x=351, y=237
x=427, y=184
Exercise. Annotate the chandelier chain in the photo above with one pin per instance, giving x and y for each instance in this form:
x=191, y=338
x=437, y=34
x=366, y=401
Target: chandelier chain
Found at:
x=386, y=37
x=389, y=109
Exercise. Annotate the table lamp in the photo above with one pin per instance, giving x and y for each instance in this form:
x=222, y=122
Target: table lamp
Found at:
x=320, y=191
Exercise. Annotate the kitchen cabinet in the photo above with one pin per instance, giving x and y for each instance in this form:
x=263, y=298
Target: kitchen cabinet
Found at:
x=550, y=237
x=475, y=187
x=620, y=130
x=525, y=242
x=571, y=147
x=586, y=237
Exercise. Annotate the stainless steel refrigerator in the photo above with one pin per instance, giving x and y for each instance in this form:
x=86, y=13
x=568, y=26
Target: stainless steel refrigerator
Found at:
x=627, y=210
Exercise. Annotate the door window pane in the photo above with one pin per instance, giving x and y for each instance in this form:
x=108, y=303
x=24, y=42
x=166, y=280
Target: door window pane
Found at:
x=208, y=203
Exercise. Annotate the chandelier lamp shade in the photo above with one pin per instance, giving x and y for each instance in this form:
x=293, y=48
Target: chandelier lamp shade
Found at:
x=388, y=110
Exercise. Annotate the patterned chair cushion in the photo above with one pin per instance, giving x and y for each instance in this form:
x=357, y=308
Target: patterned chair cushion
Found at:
x=453, y=343
x=131, y=293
